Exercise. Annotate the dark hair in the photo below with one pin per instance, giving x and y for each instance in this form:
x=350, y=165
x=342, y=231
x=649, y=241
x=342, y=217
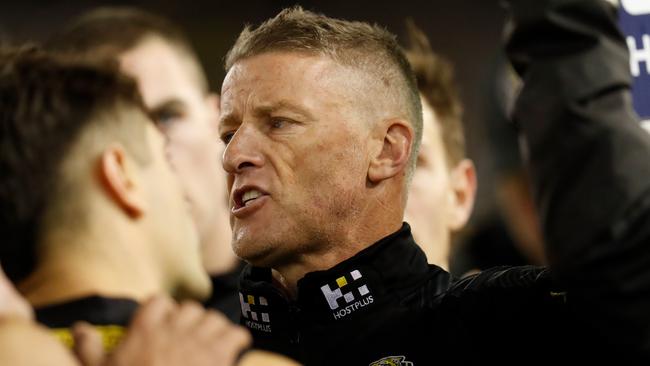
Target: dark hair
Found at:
x=46, y=102
x=435, y=78
x=369, y=48
x=107, y=32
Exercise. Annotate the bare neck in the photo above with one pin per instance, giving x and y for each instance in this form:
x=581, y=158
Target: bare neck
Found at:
x=80, y=272
x=348, y=243
x=438, y=256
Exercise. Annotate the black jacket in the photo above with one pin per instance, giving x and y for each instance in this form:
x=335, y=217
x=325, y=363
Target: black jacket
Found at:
x=224, y=293
x=400, y=307
x=588, y=160
x=313, y=328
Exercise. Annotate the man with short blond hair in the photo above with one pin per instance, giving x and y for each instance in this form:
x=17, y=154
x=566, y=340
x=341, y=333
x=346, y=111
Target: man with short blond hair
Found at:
x=321, y=119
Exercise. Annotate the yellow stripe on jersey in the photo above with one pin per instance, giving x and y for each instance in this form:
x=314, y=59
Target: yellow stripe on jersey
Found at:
x=111, y=335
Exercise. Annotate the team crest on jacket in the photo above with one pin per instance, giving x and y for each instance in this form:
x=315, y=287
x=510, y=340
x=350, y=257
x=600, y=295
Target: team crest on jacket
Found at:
x=254, y=309
x=347, y=295
x=392, y=361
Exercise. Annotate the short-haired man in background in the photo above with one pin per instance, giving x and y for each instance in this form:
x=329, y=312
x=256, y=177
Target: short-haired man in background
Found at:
x=442, y=191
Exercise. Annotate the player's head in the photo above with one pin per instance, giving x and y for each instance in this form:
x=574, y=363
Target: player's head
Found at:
x=322, y=120
x=82, y=157
x=156, y=53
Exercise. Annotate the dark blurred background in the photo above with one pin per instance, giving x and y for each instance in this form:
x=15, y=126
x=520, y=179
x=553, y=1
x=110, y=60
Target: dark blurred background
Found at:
x=467, y=32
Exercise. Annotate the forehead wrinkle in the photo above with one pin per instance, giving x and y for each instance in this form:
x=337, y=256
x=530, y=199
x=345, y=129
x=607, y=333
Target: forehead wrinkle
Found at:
x=229, y=110
x=234, y=116
x=228, y=113
x=272, y=107
x=324, y=71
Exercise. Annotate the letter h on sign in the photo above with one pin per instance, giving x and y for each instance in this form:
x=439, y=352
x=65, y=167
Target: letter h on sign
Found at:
x=634, y=19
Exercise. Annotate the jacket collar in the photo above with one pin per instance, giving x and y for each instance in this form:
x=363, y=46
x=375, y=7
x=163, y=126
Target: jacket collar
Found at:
x=381, y=274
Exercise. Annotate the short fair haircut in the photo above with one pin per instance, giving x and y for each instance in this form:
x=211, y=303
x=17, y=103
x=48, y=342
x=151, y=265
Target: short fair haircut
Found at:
x=368, y=48
x=435, y=78
x=48, y=105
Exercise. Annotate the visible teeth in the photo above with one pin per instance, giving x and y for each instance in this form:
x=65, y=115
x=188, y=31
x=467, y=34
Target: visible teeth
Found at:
x=250, y=195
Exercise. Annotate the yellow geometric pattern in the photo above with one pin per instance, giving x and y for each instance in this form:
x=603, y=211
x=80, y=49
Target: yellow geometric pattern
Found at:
x=111, y=335
x=251, y=299
x=341, y=281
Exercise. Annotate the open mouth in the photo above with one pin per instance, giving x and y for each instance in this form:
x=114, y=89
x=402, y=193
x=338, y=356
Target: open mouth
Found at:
x=246, y=196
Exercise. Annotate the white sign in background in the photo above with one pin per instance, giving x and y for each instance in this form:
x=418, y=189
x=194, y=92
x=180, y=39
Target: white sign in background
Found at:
x=636, y=7
x=635, y=23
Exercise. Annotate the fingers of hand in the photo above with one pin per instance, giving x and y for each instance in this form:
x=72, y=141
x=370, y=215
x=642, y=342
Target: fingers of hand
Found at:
x=88, y=344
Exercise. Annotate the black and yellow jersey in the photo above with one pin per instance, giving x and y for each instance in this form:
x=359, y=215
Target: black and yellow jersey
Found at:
x=110, y=316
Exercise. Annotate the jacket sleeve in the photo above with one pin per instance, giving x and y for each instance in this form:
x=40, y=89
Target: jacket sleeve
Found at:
x=589, y=161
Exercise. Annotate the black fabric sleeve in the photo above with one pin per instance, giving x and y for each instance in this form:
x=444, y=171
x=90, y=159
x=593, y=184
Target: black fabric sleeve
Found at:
x=589, y=161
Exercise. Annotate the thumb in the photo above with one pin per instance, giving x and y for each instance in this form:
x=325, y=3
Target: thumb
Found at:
x=88, y=344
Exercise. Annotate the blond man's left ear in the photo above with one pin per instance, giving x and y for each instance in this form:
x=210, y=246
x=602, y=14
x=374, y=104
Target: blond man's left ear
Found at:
x=393, y=158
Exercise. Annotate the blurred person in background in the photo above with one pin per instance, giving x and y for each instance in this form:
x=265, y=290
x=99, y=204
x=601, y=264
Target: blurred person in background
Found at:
x=442, y=193
x=586, y=155
x=441, y=196
x=156, y=53
x=511, y=235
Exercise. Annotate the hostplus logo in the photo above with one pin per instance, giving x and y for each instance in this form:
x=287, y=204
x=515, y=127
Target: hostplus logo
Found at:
x=255, y=312
x=345, y=298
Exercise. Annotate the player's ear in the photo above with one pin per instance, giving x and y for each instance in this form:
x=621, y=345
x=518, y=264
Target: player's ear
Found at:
x=463, y=192
x=120, y=179
x=393, y=156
